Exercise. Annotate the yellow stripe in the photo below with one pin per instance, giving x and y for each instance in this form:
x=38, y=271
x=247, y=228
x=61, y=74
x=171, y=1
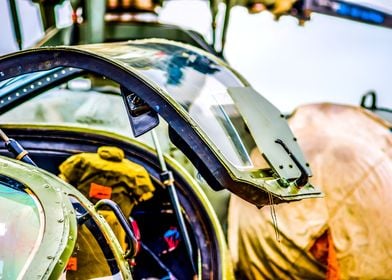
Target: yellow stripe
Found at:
x=21, y=155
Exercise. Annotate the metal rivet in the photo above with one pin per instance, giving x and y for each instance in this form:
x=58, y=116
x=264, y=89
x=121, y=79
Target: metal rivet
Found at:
x=2, y=74
x=17, y=94
x=39, y=83
x=32, y=86
x=24, y=90
x=55, y=75
x=9, y=98
x=48, y=79
x=62, y=71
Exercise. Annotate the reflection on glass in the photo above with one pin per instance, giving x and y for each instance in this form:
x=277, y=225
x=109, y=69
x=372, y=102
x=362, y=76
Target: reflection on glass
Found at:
x=19, y=229
x=199, y=84
x=196, y=81
x=87, y=100
x=13, y=83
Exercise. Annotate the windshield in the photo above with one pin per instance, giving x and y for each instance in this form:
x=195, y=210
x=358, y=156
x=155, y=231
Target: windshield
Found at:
x=64, y=95
x=195, y=80
x=198, y=83
x=20, y=228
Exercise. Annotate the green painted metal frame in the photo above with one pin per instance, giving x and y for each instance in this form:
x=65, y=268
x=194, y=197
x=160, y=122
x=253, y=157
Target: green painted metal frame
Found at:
x=60, y=231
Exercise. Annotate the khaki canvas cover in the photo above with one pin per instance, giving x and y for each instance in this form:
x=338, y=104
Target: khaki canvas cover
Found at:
x=346, y=234
x=108, y=174
x=93, y=173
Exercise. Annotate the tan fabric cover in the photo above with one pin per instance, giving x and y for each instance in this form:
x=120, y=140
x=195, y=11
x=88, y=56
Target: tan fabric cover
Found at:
x=350, y=153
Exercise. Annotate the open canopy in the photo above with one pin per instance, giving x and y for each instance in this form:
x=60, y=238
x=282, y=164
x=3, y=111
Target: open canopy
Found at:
x=214, y=116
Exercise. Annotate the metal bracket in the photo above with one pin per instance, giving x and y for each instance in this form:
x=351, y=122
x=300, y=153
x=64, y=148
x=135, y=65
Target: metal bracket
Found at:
x=124, y=223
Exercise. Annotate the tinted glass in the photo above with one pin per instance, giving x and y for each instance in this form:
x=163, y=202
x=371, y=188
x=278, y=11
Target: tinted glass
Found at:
x=195, y=81
x=87, y=101
x=198, y=83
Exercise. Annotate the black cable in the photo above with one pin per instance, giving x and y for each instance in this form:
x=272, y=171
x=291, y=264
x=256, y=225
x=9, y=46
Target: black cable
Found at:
x=156, y=258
